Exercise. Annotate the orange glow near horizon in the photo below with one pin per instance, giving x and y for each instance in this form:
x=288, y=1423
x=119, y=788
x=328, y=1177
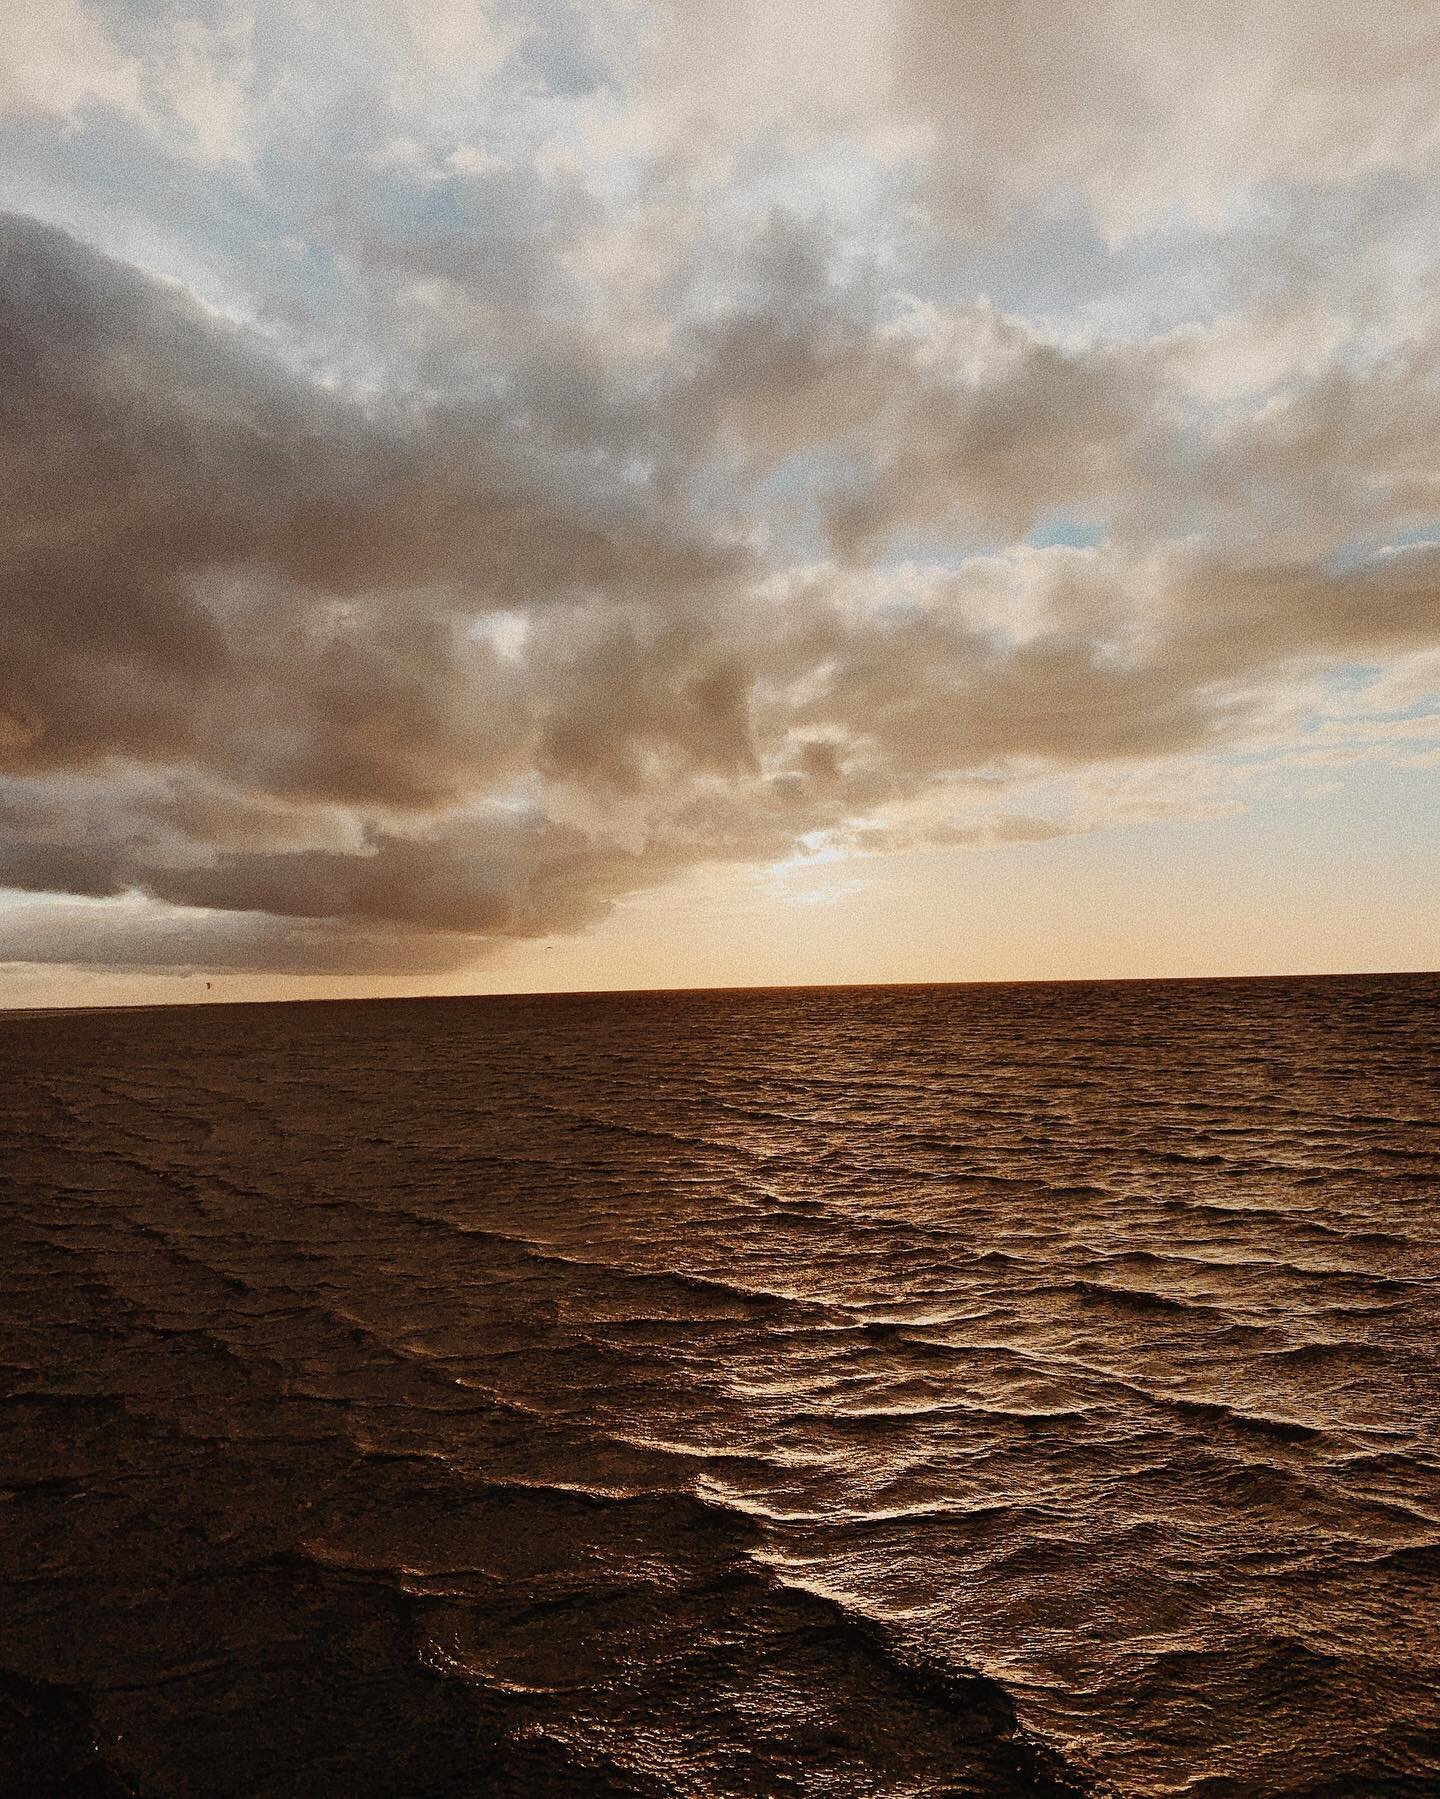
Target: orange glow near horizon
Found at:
x=1174, y=902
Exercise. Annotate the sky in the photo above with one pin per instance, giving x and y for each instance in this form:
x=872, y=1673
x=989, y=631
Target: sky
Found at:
x=541, y=494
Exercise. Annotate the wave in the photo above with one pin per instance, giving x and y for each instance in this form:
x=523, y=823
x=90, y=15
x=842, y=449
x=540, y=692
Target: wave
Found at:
x=416, y=1389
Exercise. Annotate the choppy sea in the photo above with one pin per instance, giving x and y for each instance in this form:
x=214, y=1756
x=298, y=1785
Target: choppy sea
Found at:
x=881, y=1391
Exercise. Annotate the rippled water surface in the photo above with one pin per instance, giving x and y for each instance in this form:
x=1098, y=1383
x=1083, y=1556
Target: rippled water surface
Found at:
x=884, y=1391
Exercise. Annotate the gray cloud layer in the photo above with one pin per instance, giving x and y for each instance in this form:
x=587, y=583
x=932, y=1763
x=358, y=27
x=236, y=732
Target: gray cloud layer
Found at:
x=558, y=534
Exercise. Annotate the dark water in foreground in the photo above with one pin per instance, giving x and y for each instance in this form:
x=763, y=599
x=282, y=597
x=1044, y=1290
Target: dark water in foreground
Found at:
x=769, y=1393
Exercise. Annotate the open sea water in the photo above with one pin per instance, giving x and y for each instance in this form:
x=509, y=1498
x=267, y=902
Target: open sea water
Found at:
x=884, y=1391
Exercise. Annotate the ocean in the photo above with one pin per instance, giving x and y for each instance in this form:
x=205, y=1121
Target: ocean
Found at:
x=1023, y=1389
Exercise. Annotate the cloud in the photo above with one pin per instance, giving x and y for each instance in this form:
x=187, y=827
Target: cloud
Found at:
x=543, y=449
x=145, y=938
x=62, y=59
x=1138, y=109
x=184, y=79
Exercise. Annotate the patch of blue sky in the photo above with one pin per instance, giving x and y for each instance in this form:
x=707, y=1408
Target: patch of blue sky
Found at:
x=813, y=472
x=934, y=550
x=931, y=550
x=1064, y=273
x=1357, y=551
x=1352, y=677
x=1065, y=533
x=798, y=494
x=1352, y=683
x=1352, y=694
x=1418, y=534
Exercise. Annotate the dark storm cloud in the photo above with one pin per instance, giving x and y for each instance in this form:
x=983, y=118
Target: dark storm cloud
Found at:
x=154, y=940
x=200, y=546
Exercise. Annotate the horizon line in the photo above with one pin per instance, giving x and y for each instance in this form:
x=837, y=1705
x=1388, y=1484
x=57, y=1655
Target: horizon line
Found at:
x=386, y=999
